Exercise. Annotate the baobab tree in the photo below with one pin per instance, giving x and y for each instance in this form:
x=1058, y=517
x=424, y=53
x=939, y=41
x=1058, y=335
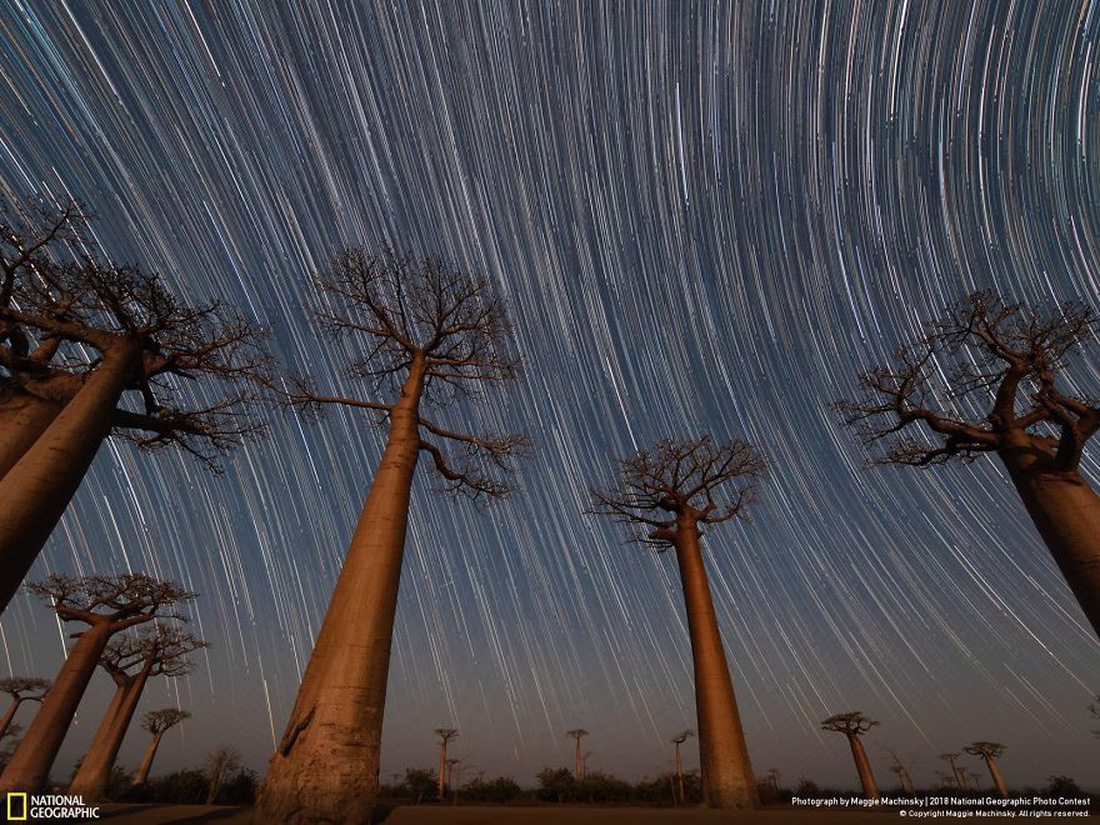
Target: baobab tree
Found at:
x=773, y=778
x=158, y=723
x=21, y=690
x=950, y=759
x=677, y=741
x=221, y=762
x=454, y=774
x=989, y=378
x=427, y=331
x=899, y=770
x=130, y=661
x=990, y=752
x=107, y=605
x=445, y=735
x=577, y=734
x=108, y=348
x=854, y=725
x=1094, y=711
x=668, y=494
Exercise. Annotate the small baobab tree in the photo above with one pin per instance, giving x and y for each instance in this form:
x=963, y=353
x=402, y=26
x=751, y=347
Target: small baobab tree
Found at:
x=989, y=378
x=220, y=763
x=107, y=605
x=950, y=759
x=577, y=734
x=990, y=752
x=773, y=778
x=905, y=780
x=106, y=348
x=677, y=741
x=427, y=331
x=130, y=660
x=158, y=723
x=854, y=725
x=454, y=776
x=21, y=690
x=669, y=494
x=445, y=736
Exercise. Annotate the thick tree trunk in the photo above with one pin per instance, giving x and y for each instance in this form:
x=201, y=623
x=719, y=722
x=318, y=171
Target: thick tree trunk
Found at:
x=1066, y=512
x=34, y=757
x=442, y=769
x=23, y=418
x=679, y=773
x=725, y=768
x=95, y=770
x=577, y=764
x=995, y=775
x=35, y=492
x=863, y=766
x=106, y=723
x=142, y=773
x=326, y=767
x=9, y=714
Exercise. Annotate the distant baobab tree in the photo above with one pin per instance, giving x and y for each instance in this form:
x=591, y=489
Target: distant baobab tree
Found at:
x=108, y=605
x=432, y=331
x=221, y=762
x=677, y=741
x=157, y=722
x=950, y=759
x=584, y=763
x=21, y=690
x=854, y=725
x=577, y=734
x=82, y=339
x=454, y=775
x=899, y=770
x=990, y=752
x=130, y=660
x=445, y=735
x=773, y=778
x=1005, y=359
x=669, y=493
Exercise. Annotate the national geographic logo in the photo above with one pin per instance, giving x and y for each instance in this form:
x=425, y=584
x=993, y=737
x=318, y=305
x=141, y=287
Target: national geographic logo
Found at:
x=23, y=807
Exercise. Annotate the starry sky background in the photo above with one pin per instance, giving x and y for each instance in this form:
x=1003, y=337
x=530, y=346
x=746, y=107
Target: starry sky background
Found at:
x=706, y=217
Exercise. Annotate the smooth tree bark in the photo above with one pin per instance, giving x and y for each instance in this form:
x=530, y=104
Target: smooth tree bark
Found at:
x=1008, y=360
x=162, y=652
x=21, y=690
x=108, y=605
x=430, y=331
x=854, y=725
x=990, y=752
x=677, y=741
x=23, y=418
x=669, y=492
x=445, y=736
x=577, y=734
x=157, y=722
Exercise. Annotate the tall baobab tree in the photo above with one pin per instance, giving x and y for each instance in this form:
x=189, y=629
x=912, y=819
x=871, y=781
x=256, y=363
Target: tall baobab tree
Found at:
x=988, y=378
x=157, y=722
x=108, y=347
x=445, y=736
x=669, y=493
x=773, y=778
x=107, y=605
x=454, y=775
x=20, y=690
x=854, y=725
x=577, y=734
x=677, y=741
x=427, y=332
x=990, y=752
x=130, y=661
x=899, y=770
x=221, y=762
x=950, y=759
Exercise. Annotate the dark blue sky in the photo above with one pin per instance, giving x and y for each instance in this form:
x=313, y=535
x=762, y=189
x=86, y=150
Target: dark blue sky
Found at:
x=706, y=217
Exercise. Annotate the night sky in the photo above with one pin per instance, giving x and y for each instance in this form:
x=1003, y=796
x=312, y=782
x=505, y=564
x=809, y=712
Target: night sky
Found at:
x=705, y=218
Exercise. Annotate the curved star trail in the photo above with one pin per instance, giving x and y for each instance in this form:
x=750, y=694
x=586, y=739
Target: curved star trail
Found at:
x=706, y=218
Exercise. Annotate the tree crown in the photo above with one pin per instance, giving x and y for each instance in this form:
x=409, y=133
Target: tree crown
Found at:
x=16, y=686
x=986, y=750
x=120, y=601
x=850, y=724
x=163, y=649
x=158, y=721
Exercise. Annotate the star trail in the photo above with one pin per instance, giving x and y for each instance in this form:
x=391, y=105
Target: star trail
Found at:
x=705, y=218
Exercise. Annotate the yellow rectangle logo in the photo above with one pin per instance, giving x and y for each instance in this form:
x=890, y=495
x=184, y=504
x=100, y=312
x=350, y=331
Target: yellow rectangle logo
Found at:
x=20, y=800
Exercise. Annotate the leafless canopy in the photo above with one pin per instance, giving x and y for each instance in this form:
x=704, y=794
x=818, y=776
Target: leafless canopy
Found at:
x=985, y=373
x=402, y=308
x=446, y=734
x=23, y=689
x=699, y=478
x=63, y=310
x=986, y=750
x=164, y=648
x=121, y=601
x=158, y=721
x=683, y=736
x=949, y=757
x=576, y=733
x=850, y=724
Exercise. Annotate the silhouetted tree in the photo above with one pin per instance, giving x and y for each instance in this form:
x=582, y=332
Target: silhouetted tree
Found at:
x=985, y=379
x=990, y=752
x=423, y=784
x=130, y=660
x=668, y=494
x=773, y=778
x=854, y=725
x=677, y=741
x=94, y=335
x=433, y=331
x=20, y=690
x=454, y=775
x=157, y=722
x=899, y=770
x=950, y=758
x=1094, y=710
x=220, y=763
x=577, y=734
x=108, y=605
x=445, y=735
